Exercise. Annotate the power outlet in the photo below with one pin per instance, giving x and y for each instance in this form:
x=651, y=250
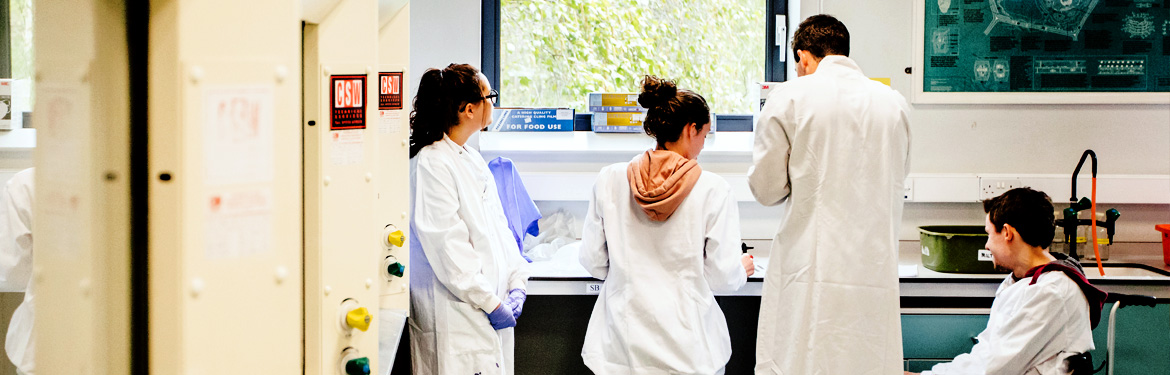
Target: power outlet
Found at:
x=908, y=190
x=991, y=187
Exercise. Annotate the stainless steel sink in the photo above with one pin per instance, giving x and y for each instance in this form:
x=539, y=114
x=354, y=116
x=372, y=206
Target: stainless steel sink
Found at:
x=1125, y=271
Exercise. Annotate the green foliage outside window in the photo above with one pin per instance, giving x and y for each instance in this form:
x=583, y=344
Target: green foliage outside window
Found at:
x=20, y=28
x=554, y=52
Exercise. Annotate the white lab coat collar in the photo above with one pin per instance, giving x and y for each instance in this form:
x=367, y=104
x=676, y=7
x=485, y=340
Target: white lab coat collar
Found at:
x=838, y=65
x=451, y=145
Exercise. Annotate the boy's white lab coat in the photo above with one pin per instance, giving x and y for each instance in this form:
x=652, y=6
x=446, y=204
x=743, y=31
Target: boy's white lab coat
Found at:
x=1032, y=330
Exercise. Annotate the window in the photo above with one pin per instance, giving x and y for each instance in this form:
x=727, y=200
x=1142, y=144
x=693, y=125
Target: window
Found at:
x=18, y=60
x=552, y=53
x=20, y=26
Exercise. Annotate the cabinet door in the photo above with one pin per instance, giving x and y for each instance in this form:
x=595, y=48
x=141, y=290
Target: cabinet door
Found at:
x=1142, y=339
x=936, y=336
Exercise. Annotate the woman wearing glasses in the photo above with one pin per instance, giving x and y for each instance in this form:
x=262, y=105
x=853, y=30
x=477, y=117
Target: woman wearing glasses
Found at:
x=467, y=279
x=664, y=235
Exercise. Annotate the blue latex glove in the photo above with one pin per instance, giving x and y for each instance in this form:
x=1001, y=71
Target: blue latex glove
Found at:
x=502, y=317
x=515, y=301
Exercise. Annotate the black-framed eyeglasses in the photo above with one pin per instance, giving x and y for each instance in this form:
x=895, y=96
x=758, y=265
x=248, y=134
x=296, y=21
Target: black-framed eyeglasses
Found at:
x=494, y=96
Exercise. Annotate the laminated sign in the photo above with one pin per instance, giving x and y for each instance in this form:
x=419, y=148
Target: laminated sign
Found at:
x=347, y=93
x=389, y=90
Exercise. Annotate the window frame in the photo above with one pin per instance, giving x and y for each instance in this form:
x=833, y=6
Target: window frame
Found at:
x=775, y=66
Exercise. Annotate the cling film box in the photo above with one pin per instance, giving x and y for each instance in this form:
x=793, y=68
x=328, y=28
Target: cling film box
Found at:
x=618, y=122
x=614, y=102
x=532, y=120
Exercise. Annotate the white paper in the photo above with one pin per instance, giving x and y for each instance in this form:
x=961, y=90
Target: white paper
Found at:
x=347, y=146
x=238, y=135
x=389, y=121
x=907, y=270
x=239, y=223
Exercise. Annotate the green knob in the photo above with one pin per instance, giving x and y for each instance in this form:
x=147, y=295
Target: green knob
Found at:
x=396, y=269
x=358, y=366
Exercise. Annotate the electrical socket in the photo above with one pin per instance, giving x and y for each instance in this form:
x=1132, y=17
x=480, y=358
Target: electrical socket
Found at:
x=991, y=187
x=908, y=190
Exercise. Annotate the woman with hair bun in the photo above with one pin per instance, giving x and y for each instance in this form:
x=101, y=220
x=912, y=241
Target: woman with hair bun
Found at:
x=664, y=235
x=467, y=279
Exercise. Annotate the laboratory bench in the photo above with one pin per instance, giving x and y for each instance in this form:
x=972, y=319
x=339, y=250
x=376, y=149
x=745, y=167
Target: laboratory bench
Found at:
x=941, y=313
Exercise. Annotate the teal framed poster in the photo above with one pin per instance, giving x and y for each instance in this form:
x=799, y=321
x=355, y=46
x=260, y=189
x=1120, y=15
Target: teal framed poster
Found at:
x=1042, y=51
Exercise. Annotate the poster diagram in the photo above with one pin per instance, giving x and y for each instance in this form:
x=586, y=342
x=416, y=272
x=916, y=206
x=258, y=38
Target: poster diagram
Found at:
x=1062, y=17
x=1046, y=46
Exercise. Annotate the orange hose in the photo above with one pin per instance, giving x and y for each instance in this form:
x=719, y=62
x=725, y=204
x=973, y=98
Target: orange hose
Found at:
x=1093, y=223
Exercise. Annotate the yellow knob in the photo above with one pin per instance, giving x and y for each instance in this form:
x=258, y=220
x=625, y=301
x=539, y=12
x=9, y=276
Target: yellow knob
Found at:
x=396, y=238
x=359, y=318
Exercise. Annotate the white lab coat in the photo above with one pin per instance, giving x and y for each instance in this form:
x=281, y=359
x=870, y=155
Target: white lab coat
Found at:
x=835, y=145
x=463, y=262
x=1032, y=330
x=656, y=313
x=16, y=258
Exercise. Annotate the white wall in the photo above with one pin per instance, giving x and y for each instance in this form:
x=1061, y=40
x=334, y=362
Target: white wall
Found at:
x=443, y=32
x=1025, y=139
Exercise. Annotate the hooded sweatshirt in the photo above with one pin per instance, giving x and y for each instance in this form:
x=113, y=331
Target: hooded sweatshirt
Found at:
x=660, y=180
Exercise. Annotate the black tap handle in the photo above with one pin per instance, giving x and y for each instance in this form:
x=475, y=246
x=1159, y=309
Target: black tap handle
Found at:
x=1081, y=205
x=1111, y=215
x=743, y=246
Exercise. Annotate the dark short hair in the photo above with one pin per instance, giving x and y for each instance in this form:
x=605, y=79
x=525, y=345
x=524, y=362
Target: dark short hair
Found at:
x=1027, y=210
x=821, y=35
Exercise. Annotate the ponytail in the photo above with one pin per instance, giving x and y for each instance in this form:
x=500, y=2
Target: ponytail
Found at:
x=441, y=95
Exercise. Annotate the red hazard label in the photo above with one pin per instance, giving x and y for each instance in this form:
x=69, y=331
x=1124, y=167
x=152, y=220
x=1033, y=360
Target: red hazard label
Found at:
x=389, y=90
x=347, y=93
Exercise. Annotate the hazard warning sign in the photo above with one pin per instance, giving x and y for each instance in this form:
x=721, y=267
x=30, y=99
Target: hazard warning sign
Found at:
x=389, y=90
x=348, y=95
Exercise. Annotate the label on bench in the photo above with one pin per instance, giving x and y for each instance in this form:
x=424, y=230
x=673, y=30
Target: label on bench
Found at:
x=592, y=288
x=985, y=255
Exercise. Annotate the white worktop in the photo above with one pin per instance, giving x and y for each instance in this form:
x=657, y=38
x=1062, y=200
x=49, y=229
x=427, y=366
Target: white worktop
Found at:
x=564, y=276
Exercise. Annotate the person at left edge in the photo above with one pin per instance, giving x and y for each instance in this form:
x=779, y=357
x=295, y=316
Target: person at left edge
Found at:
x=468, y=279
x=16, y=258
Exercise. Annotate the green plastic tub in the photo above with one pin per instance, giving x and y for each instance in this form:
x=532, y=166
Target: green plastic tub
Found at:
x=956, y=249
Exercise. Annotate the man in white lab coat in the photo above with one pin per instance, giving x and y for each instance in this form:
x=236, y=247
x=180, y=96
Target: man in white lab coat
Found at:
x=1044, y=310
x=835, y=145
x=16, y=246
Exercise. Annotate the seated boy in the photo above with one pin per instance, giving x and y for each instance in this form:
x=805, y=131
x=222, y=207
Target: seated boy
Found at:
x=1045, y=310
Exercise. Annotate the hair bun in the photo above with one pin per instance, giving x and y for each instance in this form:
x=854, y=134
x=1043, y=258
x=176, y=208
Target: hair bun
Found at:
x=656, y=92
